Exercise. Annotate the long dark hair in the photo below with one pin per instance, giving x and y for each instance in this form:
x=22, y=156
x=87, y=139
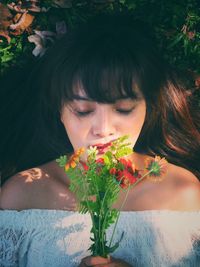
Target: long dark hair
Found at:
x=110, y=56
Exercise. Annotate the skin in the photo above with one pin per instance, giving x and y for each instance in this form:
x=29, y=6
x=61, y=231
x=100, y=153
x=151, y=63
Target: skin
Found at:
x=89, y=123
x=103, y=262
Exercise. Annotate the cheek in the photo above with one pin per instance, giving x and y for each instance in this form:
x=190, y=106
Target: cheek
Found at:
x=75, y=130
x=134, y=125
x=73, y=135
x=70, y=129
x=140, y=118
x=137, y=120
x=70, y=122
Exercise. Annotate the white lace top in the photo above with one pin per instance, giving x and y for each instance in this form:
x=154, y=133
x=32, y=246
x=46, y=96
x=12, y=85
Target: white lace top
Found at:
x=52, y=238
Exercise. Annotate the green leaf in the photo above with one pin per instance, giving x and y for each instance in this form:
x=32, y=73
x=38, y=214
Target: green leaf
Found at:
x=110, y=250
x=113, y=248
x=176, y=40
x=62, y=161
x=106, y=160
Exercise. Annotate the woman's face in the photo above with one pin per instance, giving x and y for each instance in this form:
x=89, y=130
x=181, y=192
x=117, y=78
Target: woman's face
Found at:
x=90, y=123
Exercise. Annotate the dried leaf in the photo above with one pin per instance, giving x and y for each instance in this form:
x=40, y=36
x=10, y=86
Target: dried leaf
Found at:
x=5, y=21
x=197, y=81
x=21, y=23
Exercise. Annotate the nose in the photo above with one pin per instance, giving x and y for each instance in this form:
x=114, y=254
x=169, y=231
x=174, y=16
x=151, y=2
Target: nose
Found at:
x=103, y=124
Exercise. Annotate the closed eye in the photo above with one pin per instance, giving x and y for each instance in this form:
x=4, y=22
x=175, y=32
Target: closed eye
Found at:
x=125, y=111
x=83, y=113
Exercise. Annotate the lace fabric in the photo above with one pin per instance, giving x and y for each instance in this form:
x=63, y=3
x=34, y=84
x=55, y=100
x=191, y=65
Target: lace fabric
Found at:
x=49, y=238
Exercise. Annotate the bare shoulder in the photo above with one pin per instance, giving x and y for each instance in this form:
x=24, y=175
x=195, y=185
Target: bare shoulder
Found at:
x=186, y=189
x=20, y=190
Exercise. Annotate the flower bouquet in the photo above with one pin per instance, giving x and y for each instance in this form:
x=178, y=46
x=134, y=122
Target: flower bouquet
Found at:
x=98, y=182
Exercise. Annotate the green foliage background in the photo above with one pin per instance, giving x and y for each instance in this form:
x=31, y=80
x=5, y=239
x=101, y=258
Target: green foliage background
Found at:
x=176, y=23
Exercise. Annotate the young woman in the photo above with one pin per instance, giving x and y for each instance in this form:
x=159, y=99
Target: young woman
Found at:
x=105, y=79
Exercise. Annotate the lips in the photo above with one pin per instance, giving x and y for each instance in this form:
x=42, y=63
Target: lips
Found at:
x=102, y=147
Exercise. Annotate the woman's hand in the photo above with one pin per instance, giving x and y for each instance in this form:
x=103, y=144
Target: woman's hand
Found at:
x=103, y=262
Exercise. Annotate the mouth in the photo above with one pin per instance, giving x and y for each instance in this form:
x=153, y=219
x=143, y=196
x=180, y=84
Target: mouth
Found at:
x=101, y=148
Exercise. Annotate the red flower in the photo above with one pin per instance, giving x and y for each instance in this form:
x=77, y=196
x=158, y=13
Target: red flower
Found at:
x=127, y=163
x=125, y=178
x=85, y=166
x=126, y=173
x=191, y=35
x=100, y=161
x=113, y=171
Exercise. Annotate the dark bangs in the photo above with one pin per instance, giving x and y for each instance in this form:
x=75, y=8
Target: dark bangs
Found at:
x=103, y=74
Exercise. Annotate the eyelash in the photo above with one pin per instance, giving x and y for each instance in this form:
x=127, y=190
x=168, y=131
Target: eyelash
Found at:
x=125, y=111
x=86, y=113
x=83, y=113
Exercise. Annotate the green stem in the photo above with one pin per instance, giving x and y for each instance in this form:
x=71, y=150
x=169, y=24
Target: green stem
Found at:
x=130, y=186
x=103, y=231
x=100, y=214
x=118, y=215
x=140, y=179
x=104, y=221
x=90, y=211
x=103, y=225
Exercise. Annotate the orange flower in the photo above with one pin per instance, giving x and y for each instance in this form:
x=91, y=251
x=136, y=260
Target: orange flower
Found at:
x=74, y=159
x=156, y=167
x=80, y=151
